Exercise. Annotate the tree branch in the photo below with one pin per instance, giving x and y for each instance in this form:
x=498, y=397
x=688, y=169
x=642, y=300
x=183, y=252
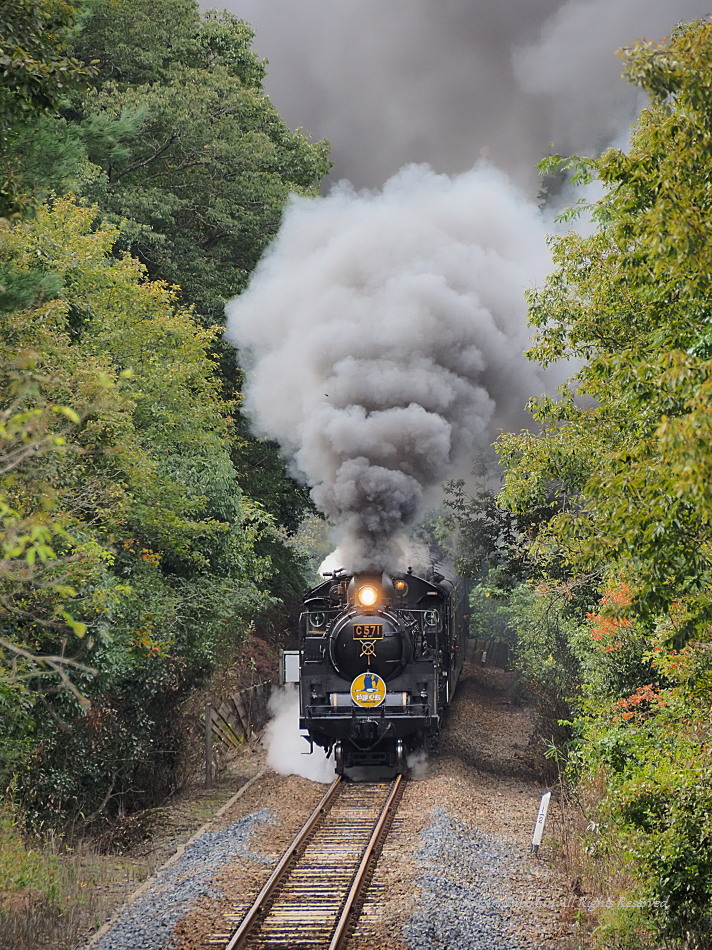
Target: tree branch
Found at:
x=134, y=166
x=56, y=664
x=178, y=168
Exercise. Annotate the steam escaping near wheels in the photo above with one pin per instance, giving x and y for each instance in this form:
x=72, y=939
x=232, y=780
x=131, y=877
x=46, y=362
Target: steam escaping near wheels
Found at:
x=286, y=746
x=383, y=337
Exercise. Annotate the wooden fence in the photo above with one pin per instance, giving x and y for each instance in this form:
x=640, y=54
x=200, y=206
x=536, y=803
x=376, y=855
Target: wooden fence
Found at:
x=239, y=716
x=236, y=718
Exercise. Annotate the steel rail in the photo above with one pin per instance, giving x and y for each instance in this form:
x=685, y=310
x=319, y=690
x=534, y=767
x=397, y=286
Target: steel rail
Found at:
x=337, y=941
x=270, y=907
x=240, y=935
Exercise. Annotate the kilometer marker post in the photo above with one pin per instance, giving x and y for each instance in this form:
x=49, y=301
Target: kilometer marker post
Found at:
x=540, y=819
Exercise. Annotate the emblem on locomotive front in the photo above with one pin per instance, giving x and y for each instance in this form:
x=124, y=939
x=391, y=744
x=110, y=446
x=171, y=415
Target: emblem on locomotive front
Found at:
x=368, y=690
x=367, y=634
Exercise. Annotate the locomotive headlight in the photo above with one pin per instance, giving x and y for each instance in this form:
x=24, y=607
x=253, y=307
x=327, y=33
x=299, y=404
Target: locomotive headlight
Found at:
x=367, y=595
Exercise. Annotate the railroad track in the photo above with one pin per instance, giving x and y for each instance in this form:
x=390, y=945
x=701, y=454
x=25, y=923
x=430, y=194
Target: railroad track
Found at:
x=312, y=898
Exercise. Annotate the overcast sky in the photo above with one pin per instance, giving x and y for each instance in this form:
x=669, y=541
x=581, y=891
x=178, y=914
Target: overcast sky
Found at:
x=446, y=81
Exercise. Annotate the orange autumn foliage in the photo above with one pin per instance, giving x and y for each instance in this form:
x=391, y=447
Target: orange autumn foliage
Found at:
x=608, y=623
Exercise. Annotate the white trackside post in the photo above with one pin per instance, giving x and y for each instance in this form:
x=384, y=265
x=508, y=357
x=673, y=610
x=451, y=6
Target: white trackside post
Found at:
x=540, y=819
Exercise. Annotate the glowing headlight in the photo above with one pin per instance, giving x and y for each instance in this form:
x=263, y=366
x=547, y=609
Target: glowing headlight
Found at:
x=367, y=595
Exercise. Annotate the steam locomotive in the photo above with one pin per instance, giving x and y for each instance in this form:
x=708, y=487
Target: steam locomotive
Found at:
x=379, y=657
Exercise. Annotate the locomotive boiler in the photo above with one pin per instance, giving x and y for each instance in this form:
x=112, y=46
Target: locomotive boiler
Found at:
x=380, y=655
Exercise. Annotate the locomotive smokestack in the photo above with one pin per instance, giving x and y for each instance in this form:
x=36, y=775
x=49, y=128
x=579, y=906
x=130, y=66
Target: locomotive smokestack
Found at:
x=383, y=336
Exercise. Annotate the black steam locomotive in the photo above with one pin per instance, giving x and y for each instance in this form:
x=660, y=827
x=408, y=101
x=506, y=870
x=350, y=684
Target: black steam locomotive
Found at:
x=380, y=656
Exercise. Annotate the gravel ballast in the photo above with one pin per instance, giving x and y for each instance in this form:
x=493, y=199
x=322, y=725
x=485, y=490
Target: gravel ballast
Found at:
x=147, y=922
x=467, y=899
x=456, y=872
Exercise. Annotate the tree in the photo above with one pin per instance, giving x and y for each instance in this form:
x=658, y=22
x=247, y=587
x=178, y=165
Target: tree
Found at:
x=625, y=454
x=143, y=528
x=131, y=548
x=488, y=538
x=36, y=73
x=36, y=70
x=192, y=150
x=631, y=467
x=176, y=139
x=198, y=165
x=204, y=178
x=183, y=153
x=139, y=43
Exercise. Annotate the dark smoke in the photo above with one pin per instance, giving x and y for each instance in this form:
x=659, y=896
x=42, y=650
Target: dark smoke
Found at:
x=447, y=82
x=383, y=334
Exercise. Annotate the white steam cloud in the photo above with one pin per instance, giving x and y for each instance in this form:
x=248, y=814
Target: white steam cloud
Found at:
x=286, y=746
x=383, y=336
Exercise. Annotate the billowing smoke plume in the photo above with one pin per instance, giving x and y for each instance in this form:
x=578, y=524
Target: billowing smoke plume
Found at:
x=384, y=332
x=383, y=336
x=446, y=82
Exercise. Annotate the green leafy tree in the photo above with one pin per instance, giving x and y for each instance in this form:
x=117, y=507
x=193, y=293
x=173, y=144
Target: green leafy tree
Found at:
x=132, y=548
x=625, y=455
x=204, y=178
x=139, y=43
x=35, y=68
x=630, y=469
x=176, y=137
x=192, y=150
x=198, y=165
x=143, y=527
x=37, y=71
x=182, y=151
x=486, y=537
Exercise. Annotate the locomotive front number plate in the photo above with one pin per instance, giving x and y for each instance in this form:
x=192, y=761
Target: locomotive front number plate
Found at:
x=368, y=631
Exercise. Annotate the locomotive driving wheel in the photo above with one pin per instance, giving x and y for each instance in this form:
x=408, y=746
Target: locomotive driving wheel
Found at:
x=401, y=762
x=339, y=758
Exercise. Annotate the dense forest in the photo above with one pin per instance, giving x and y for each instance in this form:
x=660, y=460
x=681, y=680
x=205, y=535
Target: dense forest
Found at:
x=142, y=173
x=145, y=532
x=597, y=553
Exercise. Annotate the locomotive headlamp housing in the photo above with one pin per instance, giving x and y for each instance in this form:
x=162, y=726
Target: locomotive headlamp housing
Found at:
x=401, y=587
x=367, y=595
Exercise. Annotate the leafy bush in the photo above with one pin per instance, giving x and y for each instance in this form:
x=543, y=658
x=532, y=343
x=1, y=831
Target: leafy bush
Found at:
x=130, y=549
x=22, y=866
x=623, y=461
